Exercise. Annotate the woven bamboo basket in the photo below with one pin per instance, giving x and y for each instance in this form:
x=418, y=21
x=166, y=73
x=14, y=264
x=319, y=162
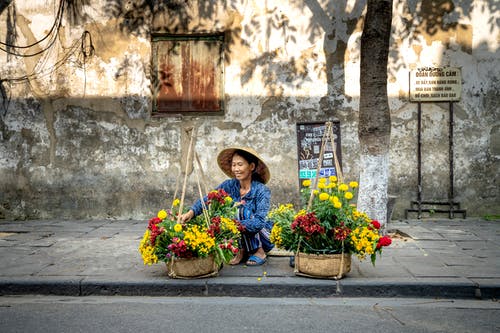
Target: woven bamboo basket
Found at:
x=192, y=268
x=326, y=266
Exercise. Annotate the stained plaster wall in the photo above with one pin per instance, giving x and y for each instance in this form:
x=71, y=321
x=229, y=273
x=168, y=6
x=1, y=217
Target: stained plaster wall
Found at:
x=78, y=139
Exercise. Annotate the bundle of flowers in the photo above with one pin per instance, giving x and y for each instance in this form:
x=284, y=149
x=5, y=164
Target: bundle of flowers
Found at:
x=215, y=232
x=330, y=224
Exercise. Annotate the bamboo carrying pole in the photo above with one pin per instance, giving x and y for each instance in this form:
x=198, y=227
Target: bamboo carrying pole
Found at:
x=188, y=159
x=201, y=190
x=200, y=184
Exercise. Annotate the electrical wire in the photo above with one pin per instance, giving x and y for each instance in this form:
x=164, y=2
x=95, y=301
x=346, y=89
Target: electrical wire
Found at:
x=56, y=26
x=86, y=49
x=41, y=73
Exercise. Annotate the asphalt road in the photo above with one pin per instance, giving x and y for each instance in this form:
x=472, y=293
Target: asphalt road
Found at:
x=232, y=314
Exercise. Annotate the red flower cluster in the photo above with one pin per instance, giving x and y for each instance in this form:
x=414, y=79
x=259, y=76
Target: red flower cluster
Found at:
x=179, y=248
x=340, y=233
x=384, y=241
x=218, y=195
x=155, y=231
x=214, y=227
x=308, y=224
x=228, y=244
x=375, y=224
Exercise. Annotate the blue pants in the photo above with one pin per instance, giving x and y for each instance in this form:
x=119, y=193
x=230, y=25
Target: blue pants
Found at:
x=250, y=242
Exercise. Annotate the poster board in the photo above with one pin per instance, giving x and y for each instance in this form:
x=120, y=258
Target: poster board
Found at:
x=309, y=136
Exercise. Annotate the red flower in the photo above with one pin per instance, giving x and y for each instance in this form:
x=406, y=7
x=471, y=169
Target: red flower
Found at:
x=308, y=224
x=214, y=227
x=376, y=224
x=218, y=195
x=153, y=222
x=384, y=241
x=179, y=248
x=340, y=233
x=155, y=231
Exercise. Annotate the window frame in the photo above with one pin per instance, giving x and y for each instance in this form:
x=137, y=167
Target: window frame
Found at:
x=218, y=39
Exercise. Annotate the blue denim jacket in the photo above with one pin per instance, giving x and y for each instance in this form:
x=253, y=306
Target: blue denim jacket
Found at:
x=254, y=205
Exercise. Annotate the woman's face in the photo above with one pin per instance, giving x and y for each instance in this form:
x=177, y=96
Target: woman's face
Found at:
x=241, y=169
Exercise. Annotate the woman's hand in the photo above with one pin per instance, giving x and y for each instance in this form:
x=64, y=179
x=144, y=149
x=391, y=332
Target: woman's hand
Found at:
x=187, y=216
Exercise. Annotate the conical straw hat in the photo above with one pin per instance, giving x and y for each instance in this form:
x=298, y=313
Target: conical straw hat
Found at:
x=225, y=160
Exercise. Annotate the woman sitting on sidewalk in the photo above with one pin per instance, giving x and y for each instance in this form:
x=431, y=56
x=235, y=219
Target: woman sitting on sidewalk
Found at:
x=249, y=174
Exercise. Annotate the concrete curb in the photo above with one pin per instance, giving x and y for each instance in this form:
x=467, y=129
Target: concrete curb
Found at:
x=251, y=287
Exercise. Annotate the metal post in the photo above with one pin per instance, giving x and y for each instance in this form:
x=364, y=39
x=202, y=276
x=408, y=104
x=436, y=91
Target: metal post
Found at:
x=419, y=159
x=451, y=194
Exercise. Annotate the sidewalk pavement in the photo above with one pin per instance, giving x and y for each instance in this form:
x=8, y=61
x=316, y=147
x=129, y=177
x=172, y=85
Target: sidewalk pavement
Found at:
x=439, y=258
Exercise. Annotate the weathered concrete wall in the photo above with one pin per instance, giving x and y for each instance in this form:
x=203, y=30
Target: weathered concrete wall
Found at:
x=78, y=140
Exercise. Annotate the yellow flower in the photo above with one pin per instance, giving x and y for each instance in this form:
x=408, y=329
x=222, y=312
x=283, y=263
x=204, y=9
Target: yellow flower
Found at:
x=316, y=192
x=146, y=250
x=178, y=227
x=176, y=202
x=322, y=185
x=322, y=180
x=333, y=178
x=306, y=182
x=301, y=212
x=337, y=204
x=275, y=236
x=323, y=196
x=162, y=214
x=228, y=199
x=198, y=240
x=343, y=187
x=228, y=224
x=348, y=195
x=353, y=184
x=283, y=209
x=364, y=240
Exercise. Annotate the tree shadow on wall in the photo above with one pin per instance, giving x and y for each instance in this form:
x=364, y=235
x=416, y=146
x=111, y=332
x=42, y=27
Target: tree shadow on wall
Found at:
x=180, y=16
x=335, y=20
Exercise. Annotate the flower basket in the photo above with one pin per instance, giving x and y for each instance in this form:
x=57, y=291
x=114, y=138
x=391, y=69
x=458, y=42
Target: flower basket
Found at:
x=190, y=268
x=197, y=248
x=330, y=228
x=324, y=266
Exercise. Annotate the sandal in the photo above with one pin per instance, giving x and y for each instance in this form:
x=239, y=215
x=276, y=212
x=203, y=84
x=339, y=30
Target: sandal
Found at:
x=255, y=261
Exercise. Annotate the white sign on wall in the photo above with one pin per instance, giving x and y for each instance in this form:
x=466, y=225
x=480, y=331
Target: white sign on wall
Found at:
x=434, y=84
